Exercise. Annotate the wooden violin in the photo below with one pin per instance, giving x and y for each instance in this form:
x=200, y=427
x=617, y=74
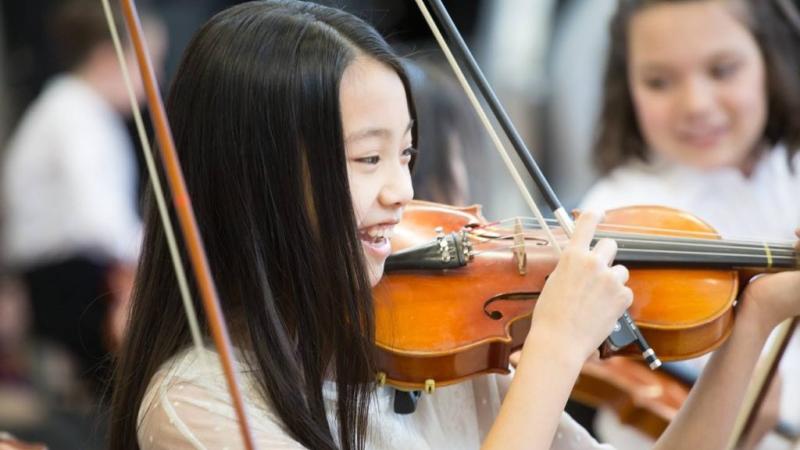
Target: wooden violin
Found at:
x=644, y=399
x=459, y=291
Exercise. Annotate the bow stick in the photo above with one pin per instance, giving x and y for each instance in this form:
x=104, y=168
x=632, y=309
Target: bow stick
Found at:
x=183, y=207
x=766, y=369
x=767, y=366
x=626, y=331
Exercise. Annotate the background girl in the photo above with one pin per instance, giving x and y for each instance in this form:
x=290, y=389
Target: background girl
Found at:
x=702, y=113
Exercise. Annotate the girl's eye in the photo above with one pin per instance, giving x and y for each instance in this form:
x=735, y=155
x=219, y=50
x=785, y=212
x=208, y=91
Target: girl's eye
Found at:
x=656, y=83
x=372, y=160
x=410, y=152
x=724, y=71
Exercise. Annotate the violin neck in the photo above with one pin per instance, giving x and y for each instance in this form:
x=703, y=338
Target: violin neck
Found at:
x=655, y=251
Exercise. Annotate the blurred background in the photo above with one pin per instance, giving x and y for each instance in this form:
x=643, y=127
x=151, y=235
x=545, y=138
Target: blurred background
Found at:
x=64, y=283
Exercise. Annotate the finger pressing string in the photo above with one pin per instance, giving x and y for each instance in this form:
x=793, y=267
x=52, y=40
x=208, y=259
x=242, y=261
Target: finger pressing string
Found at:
x=584, y=230
x=621, y=273
x=606, y=250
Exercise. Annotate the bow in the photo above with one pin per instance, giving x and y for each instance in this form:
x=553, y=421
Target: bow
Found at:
x=767, y=366
x=183, y=207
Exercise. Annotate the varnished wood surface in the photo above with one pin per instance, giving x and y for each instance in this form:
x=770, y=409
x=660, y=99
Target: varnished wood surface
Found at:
x=438, y=325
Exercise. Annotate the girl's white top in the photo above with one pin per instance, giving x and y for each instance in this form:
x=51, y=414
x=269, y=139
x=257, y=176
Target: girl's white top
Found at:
x=187, y=406
x=764, y=206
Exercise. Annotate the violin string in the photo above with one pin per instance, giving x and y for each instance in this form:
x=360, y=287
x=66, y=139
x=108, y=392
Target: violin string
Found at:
x=647, y=229
x=611, y=231
x=786, y=253
x=169, y=232
x=711, y=243
x=644, y=229
x=692, y=235
x=775, y=248
x=713, y=238
x=779, y=258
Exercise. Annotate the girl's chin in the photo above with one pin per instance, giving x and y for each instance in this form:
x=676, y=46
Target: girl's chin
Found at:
x=707, y=159
x=375, y=255
x=375, y=273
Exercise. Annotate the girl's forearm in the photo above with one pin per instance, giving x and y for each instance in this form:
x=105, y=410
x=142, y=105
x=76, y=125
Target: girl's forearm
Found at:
x=707, y=418
x=541, y=386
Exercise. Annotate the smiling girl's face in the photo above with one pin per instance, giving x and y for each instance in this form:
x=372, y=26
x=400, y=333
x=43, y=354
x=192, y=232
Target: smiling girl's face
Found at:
x=698, y=82
x=377, y=131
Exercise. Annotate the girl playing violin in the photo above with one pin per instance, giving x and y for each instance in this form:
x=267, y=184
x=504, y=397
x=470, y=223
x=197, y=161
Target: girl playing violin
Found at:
x=702, y=113
x=296, y=134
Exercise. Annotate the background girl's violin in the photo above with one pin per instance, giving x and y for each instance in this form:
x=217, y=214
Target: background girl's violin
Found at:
x=459, y=292
x=642, y=398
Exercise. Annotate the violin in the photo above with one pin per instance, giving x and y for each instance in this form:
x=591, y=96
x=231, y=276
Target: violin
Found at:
x=644, y=399
x=641, y=398
x=459, y=291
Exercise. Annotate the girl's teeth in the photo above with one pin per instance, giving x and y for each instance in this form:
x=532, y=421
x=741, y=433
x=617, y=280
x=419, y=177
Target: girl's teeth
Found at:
x=378, y=235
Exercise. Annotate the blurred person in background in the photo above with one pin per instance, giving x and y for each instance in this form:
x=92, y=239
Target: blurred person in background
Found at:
x=38, y=396
x=702, y=113
x=71, y=230
x=450, y=139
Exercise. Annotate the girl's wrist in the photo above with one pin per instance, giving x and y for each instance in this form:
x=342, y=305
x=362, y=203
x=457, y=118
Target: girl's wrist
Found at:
x=555, y=348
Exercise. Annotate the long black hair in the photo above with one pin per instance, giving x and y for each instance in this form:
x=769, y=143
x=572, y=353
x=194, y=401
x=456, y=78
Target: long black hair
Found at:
x=256, y=119
x=619, y=135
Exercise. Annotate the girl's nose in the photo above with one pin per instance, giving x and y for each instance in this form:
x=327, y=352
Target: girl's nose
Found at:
x=696, y=97
x=397, y=189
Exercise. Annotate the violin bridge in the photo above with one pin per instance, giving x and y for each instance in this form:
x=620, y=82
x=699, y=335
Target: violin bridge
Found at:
x=520, y=255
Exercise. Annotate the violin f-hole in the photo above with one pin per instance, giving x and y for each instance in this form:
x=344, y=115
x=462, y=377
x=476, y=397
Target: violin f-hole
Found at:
x=496, y=314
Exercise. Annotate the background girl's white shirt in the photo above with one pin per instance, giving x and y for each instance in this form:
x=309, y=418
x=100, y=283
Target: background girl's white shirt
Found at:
x=763, y=206
x=187, y=406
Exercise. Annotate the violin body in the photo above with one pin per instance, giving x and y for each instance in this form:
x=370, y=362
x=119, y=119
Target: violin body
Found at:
x=436, y=325
x=439, y=327
x=645, y=399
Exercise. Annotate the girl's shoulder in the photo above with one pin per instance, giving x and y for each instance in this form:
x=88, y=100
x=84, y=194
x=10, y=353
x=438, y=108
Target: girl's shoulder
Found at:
x=187, y=405
x=777, y=163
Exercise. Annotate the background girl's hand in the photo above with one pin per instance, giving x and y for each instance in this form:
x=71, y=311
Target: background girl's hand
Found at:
x=585, y=295
x=773, y=297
